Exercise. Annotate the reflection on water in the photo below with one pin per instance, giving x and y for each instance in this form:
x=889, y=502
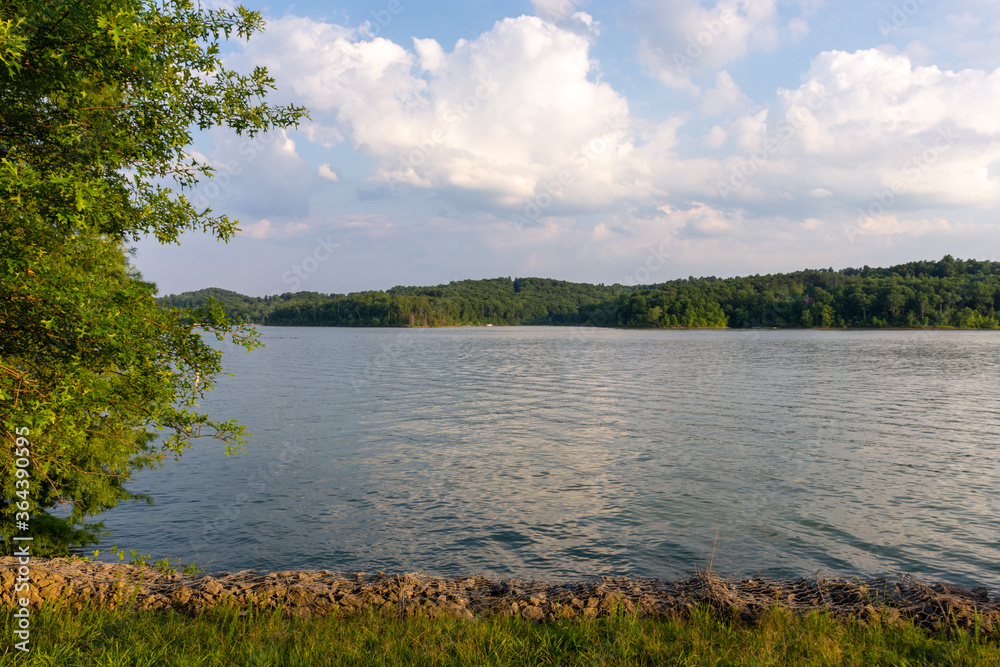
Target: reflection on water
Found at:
x=561, y=453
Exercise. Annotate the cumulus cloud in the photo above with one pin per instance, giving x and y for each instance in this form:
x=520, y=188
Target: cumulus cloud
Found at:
x=501, y=116
x=879, y=132
x=702, y=220
x=431, y=54
x=716, y=137
x=679, y=37
x=726, y=97
x=514, y=123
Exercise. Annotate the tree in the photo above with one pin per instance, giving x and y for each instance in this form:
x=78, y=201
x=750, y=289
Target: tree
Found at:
x=98, y=99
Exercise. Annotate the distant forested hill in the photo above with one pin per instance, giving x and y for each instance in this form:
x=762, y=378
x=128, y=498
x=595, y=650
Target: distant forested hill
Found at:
x=493, y=301
x=947, y=293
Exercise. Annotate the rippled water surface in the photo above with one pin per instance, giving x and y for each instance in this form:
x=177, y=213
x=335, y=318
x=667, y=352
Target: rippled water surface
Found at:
x=561, y=453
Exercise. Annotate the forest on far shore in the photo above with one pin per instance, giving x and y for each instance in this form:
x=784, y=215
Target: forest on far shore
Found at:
x=950, y=293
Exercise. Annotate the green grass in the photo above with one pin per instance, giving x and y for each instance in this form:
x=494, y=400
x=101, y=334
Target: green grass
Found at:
x=107, y=638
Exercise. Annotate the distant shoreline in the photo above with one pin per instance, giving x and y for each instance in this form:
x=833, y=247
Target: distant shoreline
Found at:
x=619, y=328
x=950, y=293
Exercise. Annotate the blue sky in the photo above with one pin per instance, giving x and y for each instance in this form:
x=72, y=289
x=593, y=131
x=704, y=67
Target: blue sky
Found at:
x=630, y=142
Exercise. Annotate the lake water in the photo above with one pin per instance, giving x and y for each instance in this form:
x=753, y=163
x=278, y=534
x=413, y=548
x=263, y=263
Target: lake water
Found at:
x=562, y=453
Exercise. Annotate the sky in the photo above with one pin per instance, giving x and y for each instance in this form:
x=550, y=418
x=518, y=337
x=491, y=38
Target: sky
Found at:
x=628, y=142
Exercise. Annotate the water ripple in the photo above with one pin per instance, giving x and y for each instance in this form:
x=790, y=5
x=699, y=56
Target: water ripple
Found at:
x=562, y=453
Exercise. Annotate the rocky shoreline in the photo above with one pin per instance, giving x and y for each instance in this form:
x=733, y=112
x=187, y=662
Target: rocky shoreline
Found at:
x=75, y=584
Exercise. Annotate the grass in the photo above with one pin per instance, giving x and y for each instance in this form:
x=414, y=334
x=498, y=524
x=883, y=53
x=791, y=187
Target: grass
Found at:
x=223, y=637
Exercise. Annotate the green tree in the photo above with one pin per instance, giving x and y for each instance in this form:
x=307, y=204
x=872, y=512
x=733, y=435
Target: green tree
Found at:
x=98, y=100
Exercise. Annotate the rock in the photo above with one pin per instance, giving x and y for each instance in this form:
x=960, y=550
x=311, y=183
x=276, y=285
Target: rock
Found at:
x=213, y=587
x=350, y=601
x=78, y=584
x=182, y=594
x=533, y=613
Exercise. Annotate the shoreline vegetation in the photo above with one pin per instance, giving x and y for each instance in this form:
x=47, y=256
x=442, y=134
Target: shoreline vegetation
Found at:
x=87, y=612
x=947, y=294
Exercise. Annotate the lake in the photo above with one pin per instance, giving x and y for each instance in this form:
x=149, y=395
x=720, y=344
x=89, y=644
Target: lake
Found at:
x=561, y=453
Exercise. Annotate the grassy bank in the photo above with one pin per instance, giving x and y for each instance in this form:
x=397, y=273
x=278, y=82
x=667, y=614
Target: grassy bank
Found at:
x=106, y=638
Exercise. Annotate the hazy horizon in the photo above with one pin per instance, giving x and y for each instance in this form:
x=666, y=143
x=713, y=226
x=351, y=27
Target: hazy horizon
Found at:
x=524, y=277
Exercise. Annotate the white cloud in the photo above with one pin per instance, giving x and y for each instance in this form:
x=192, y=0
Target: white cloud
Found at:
x=602, y=232
x=716, y=137
x=263, y=229
x=499, y=116
x=567, y=15
x=892, y=225
x=726, y=97
x=555, y=10
x=258, y=230
x=431, y=54
x=492, y=125
x=873, y=128
x=963, y=22
x=678, y=37
x=750, y=131
x=966, y=29
x=797, y=29
x=326, y=172
x=703, y=220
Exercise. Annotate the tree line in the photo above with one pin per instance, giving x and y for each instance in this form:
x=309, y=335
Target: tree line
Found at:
x=949, y=293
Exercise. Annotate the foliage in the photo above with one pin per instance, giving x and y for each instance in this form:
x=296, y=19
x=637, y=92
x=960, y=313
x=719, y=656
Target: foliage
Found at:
x=948, y=293
x=164, y=565
x=496, y=301
x=99, y=98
